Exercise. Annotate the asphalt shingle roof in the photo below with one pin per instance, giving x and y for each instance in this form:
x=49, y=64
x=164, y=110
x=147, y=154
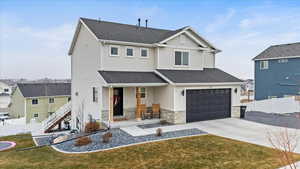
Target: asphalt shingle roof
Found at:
x=207, y=75
x=45, y=89
x=280, y=51
x=130, y=77
x=127, y=33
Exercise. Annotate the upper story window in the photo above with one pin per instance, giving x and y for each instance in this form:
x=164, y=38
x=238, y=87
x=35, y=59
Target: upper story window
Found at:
x=144, y=52
x=264, y=64
x=34, y=101
x=114, y=50
x=51, y=100
x=283, y=60
x=181, y=58
x=6, y=90
x=143, y=92
x=129, y=52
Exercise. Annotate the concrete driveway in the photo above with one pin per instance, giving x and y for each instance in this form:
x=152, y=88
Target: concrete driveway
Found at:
x=233, y=128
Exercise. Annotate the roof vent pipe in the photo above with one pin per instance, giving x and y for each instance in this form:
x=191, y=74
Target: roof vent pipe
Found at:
x=139, y=22
x=146, y=23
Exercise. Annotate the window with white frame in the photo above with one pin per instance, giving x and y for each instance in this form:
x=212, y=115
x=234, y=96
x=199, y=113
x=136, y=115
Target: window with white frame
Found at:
x=181, y=58
x=95, y=94
x=34, y=101
x=144, y=52
x=129, y=52
x=51, y=100
x=35, y=115
x=114, y=51
x=264, y=64
x=143, y=92
x=283, y=60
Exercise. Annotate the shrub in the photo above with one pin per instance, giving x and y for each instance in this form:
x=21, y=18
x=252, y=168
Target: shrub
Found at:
x=82, y=141
x=159, y=132
x=163, y=122
x=106, y=137
x=92, y=127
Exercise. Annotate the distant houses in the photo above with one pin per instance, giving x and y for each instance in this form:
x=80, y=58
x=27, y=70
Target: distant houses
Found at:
x=277, y=72
x=37, y=101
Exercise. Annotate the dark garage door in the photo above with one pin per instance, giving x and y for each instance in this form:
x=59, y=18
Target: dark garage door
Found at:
x=208, y=104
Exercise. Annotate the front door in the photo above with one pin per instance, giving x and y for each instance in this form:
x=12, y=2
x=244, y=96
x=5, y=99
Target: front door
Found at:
x=118, y=102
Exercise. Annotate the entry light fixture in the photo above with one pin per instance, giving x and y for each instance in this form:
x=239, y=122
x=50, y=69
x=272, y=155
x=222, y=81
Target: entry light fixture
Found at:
x=235, y=90
x=182, y=92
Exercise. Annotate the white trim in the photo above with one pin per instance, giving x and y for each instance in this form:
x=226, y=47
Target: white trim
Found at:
x=133, y=53
x=135, y=84
x=173, y=36
x=186, y=48
x=47, y=96
x=114, y=46
x=208, y=84
x=157, y=58
x=263, y=65
x=181, y=65
x=194, y=39
x=287, y=57
x=146, y=57
x=163, y=77
x=125, y=43
x=128, y=145
x=210, y=44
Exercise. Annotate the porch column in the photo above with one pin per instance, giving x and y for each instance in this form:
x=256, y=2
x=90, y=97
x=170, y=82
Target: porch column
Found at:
x=111, y=104
x=138, y=103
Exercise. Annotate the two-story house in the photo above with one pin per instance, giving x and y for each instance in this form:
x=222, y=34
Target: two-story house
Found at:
x=37, y=101
x=277, y=71
x=112, y=62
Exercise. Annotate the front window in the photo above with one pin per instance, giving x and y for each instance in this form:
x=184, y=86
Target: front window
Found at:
x=181, y=58
x=264, y=64
x=129, y=52
x=143, y=92
x=51, y=100
x=34, y=101
x=114, y=51
x=35, y=115
x=95, y=95
x=144, y=52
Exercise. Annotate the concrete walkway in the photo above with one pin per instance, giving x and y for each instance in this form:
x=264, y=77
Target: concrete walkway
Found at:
x=238, y=129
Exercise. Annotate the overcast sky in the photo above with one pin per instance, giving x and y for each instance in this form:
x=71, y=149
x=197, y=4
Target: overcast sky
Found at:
x=35, y=35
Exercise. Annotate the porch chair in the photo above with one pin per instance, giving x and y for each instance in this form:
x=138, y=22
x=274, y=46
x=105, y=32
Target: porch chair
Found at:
x=144, y=112
x=156, y=110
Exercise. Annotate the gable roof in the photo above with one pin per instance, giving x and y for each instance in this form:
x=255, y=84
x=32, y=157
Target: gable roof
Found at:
x=207, y=75
x=131, y=77
x=44, y=89
x=280, y=51
x=104, y=30
x=127, y=33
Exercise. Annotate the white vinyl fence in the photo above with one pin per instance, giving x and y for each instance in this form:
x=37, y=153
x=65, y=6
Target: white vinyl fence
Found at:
x=275, y=105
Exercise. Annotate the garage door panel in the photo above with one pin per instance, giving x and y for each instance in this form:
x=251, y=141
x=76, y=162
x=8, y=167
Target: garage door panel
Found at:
x=208, y=104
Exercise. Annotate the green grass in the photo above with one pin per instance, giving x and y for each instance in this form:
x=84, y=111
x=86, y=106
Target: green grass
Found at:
x=207, y=152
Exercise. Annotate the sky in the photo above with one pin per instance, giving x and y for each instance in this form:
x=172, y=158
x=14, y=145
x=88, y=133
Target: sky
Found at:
x=35, y=35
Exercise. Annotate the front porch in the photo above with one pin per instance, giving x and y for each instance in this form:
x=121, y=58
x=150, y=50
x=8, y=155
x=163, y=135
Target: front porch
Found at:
x=132, y=105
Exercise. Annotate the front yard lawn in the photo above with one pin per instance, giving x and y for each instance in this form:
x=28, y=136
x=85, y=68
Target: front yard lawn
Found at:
x=207, y=152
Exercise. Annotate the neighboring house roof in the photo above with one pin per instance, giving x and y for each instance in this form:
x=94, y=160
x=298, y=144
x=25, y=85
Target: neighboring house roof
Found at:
x=280, y=51
x=131, y=77
x=127, y=33
x=45, y=89
x=207, y=75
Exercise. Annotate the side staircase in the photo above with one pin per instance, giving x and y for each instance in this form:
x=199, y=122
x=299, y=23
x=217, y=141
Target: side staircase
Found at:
x=57, y=118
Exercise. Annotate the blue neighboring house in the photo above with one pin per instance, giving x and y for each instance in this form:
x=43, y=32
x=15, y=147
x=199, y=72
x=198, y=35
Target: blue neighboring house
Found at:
x=277, y=71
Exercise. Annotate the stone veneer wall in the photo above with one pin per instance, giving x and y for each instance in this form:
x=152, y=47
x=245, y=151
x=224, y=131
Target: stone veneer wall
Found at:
x=173, y=117
x=129, y=113
x=104, y=115
x=235, y=111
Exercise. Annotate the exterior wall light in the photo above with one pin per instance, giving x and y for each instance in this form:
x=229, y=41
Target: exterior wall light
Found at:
x=235, y=90
x=182, y=92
